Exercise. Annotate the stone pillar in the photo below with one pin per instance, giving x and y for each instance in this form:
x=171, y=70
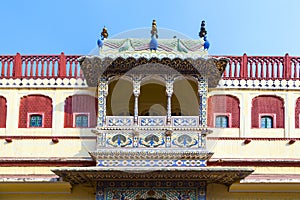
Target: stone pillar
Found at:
x=202, y=90
x=169, y=91
x=102, y=94
x=136, y=93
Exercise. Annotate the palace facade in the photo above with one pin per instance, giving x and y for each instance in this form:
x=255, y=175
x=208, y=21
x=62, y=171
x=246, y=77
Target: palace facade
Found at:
x=158, y=120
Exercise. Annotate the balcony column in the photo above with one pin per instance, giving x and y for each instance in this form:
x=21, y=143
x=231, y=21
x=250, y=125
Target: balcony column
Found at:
x=202, y=90
x=102, y=94
x=169, y=92
x=136, y=93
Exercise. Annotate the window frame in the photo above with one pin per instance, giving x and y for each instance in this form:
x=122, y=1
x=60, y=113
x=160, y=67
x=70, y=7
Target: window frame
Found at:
x=272, y=115
x=80, y=113
x=35, y=113
x=223, y=114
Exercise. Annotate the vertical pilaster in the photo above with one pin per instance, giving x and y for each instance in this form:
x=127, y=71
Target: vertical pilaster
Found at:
x=202, y=90
x=289, y=115
x=245, y=115
x=169, y=91
x=13, y=106
x=136, y=93
x=102, y=94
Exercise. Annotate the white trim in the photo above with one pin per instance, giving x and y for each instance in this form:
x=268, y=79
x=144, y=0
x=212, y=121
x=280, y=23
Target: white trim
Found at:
x=35, y=113
x=80, y=113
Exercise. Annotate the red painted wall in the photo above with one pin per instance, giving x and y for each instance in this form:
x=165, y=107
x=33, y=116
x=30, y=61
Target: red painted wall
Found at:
x=3, y=110
x=35, y=103
x=297, y=112
x=224, y=104
x=267, y=104
x=80, y=104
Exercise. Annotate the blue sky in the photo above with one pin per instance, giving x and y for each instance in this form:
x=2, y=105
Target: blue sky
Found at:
x=256, y=27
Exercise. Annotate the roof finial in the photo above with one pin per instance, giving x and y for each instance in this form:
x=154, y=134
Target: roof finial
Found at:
x=104, y=33
x=154, y=29
x=154, y=35
x=202, y=34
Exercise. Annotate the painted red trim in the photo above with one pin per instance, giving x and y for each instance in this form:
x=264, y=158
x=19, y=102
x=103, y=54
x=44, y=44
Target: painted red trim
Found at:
x=252, y=138
x=46, y=162
x=249, y=163
x=47, y=137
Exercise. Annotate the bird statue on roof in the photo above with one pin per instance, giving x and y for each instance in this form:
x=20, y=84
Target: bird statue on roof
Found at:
x=154, y=36
x=202, y=34
x=104, y=35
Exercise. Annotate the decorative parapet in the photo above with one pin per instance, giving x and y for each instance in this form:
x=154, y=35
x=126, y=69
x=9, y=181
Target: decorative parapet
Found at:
x=262, y=67
x=67, y=66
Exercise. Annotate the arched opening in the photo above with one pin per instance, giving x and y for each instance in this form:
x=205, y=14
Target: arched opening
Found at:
x=267, y=106
x=223, y=111
x=153, y=99
x=120, y=99
x=185, y=98
x=35, y=111
x=81, y=111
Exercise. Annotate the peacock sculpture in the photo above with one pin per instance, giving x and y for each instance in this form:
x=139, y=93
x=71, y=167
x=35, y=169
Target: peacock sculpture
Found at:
x=104, y=35
x=202, y=34
x=154, y=36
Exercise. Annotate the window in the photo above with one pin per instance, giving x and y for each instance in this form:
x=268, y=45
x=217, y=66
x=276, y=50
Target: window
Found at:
x=221, y=121
x=36, y=121
x=266, y=122
x=81, y=120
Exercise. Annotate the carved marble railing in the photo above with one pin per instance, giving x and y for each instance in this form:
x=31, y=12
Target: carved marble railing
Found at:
x=119, y=121
x=185, y=121
x=152, y=121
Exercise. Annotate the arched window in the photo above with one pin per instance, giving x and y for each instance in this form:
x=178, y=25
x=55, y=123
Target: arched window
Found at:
x=226, y=106
x=35, y=120
x=267, y=106
x=266, y=122
x=221, y=121
x=81, y=111
x=35, y=111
